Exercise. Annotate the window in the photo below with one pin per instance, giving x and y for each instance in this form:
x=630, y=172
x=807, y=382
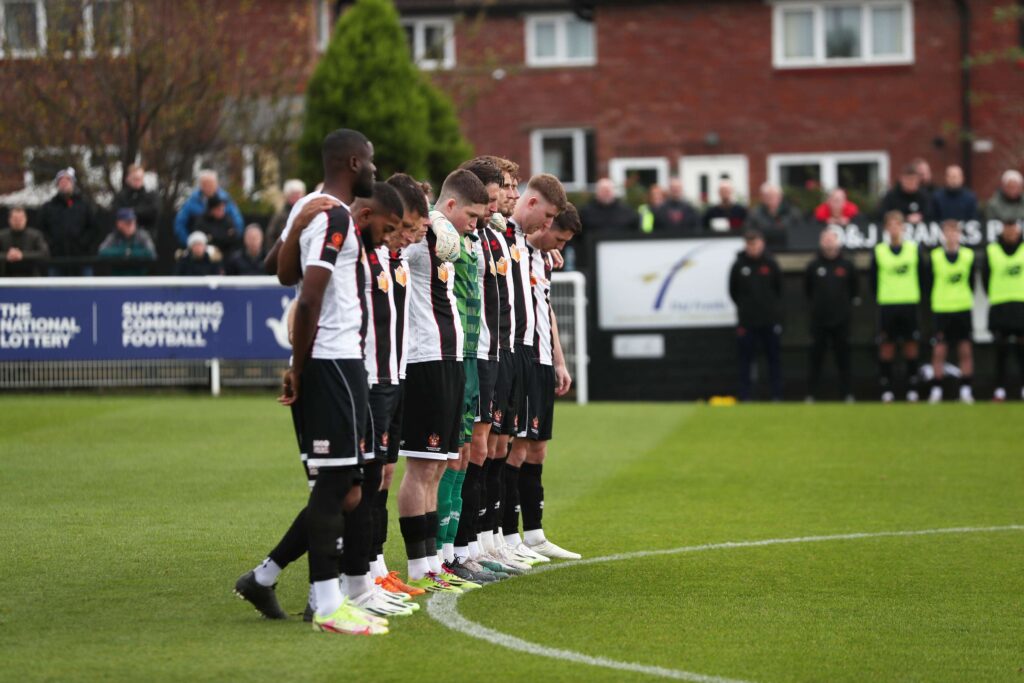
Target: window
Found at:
x=85, y=27
x=864, y=173
x=21, y=23
x=566, y=153
x=90, y=164
x=323, y=23
x=838, y=33
x=559, y=40
x=431, y=42
x=641, y=172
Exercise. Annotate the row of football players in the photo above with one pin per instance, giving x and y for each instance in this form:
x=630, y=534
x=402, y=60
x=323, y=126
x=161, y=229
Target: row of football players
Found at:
x=427, y=334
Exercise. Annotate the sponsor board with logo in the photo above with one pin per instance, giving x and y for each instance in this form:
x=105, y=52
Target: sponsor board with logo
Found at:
x=662, y=284
x=143, y=318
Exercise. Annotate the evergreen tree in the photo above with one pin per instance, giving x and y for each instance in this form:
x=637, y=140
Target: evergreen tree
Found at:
x=367, y=81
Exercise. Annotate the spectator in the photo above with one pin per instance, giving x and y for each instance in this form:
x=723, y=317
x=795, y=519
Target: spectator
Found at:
x=135, y=196
x=836, y=210
x=676, y=215
x=69, y=224
x=220, y=228
x=22, y=248
x=655, y=198
x=954, y=201
x=755, y=286
x=726, y=216
x=909, y=198
x=294, y=190
x=196, y=259
x=128, y=241
x=924, y=172
x=1007, y=204
x=774, y=217
x=830, y=283
x=195, y=206
x=249, y=259
x=606, y=213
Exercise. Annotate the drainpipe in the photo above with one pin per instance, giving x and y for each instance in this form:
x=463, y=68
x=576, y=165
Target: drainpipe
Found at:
x=966, y=132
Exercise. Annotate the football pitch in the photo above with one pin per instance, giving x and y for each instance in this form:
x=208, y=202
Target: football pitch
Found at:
x=126, y=521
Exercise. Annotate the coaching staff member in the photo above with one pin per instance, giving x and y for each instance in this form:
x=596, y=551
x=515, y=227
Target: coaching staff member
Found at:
x=755, y=286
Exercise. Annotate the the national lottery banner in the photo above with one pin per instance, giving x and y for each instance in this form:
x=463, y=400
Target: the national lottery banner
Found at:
x=143, y=318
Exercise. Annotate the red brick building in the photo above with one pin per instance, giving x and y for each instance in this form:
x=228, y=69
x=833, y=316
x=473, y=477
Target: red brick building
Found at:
x=830, y=91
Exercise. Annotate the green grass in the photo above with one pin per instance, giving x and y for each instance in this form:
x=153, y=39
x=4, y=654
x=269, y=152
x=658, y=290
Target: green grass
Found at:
x=126, y=520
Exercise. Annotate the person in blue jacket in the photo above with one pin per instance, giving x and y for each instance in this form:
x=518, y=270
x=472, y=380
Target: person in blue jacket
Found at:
x=195, y=205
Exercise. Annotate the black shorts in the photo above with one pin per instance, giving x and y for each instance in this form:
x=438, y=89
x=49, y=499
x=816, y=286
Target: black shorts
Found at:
x=383, y=399
x=506, y=393
x=952, y=328
x=487, y=373
x=395, y=428
x=898, y=322
x=525, y=363
x=1007, y=318
x=540, y=403
x=330, y=414
x=433, y=410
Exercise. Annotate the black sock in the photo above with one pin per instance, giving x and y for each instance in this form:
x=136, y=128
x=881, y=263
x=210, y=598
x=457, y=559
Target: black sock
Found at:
x=293, y=544
x=430, y=539
x=470, y=506
x=1002, y=355
x=486, y=496
x=414, y=533
x=531, y=495
x=380, y=520
x=497, y=483
x=355, y=557
x=325, y=521
x=885, y=375
x=510, y=514
x=913, y=380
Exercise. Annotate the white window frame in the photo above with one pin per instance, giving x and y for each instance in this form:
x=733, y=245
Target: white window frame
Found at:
x=740, y=179
x=40, y=33
x=829, y=163
x=419, y=27
x=561, y=57
x=88, y=34
x=618, y=169
x=579, y=154
x=322, y=24
x=819, y=60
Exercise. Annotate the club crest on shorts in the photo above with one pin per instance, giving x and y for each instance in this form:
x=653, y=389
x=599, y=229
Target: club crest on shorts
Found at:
x=321, y=447
x=535, y=424
x=434, y=442
x=515, y=423
x=384, y=439
x=362, y=445
x=498, y=415
x=402, y=276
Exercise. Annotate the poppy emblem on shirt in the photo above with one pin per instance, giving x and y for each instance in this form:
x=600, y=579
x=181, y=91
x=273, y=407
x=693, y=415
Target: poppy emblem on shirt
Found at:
x=433, y=441
x=503, y=266
x=533, y=280
x=442, y=272
x=764, y=270
x=514, y=252
x=383, y=282
x=840, y=272
x=373, y=258
x=402, y=276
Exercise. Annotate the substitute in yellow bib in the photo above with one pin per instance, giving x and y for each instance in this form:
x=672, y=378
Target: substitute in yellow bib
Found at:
x=950, y=278
x=896, y=274
x=1003, y=274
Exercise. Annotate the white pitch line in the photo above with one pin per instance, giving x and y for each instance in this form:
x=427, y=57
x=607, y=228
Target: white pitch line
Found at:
x=443, y=607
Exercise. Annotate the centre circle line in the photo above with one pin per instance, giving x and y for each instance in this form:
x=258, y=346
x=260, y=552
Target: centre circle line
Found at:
x=443, y=607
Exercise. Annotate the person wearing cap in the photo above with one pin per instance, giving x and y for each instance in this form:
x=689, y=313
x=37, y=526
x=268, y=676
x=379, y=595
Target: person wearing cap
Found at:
x=69, y=224
x=219, y=226
x=129, y=242
x=196, y=259
x=196, y=205
x=755, y=286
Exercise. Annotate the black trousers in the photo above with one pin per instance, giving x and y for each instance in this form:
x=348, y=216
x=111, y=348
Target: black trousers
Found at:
x=838, y=337
x=768, y=338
